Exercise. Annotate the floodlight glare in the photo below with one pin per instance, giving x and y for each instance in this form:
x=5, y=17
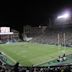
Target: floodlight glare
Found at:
x=64, y=16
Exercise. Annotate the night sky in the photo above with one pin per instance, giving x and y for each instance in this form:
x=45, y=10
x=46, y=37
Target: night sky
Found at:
x=31, y=12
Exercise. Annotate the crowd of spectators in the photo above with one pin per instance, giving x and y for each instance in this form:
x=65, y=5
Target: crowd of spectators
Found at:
x=51, y=37
x=17, y=68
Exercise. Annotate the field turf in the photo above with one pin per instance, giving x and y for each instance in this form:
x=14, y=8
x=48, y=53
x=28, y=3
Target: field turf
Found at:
x=29, y=54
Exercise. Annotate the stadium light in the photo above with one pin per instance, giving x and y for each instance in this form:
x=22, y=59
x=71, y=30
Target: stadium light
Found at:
x=65, y=15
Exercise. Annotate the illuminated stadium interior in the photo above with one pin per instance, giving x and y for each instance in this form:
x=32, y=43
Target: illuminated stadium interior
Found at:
x=37, y=40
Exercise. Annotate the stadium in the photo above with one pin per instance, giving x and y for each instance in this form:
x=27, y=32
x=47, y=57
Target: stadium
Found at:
x=40, y=47
x=42, y=44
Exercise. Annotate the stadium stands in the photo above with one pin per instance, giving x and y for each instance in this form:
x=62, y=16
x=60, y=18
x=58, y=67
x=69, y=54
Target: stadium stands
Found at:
x=17, y=68
x=51, y=36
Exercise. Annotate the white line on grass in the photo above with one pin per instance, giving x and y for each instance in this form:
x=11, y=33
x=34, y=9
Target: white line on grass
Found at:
x=40, y=63
x=45, y=61
x=9, y=57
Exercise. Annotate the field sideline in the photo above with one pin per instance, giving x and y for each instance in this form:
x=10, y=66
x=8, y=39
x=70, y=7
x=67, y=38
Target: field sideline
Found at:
x=29, y=54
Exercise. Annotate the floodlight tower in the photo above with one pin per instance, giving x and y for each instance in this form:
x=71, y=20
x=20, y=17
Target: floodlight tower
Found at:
x=63, y=17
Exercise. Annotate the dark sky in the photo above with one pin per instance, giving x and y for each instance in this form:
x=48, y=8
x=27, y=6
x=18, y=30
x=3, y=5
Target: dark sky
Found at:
x=31, y=12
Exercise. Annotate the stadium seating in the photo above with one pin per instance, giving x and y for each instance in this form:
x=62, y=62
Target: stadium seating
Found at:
x=51, y=36
x=17, y=68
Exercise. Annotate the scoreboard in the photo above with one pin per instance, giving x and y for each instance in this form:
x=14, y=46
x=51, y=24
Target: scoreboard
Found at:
x=4, y=29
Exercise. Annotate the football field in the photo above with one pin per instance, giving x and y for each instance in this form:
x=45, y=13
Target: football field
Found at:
x=29, y=54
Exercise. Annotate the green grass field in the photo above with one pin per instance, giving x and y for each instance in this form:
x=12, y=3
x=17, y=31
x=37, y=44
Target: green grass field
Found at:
x=29, y=54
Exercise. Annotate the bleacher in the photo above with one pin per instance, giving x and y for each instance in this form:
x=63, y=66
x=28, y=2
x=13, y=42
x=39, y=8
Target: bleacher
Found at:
x=51, y=37
x=17, y=68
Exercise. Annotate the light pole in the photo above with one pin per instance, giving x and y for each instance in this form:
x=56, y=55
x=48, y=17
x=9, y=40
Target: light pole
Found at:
x=63, y=18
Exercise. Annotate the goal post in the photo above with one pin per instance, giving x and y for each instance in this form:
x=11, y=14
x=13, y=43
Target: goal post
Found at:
x=58, y=39
x=64, y=42
x=64, y=39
